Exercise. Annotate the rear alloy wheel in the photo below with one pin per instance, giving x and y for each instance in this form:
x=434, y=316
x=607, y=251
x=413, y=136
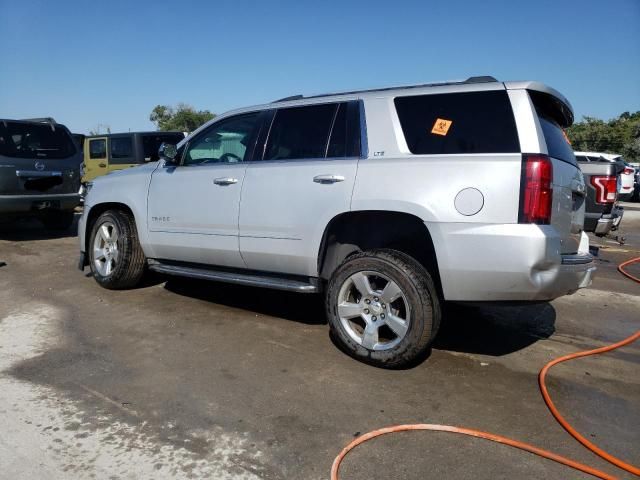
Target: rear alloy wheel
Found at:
x=383, y=308
x=58, y=220
x=115, y=255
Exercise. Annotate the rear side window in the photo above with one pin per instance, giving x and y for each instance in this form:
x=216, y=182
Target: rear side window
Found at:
x=122, y=150
x=35, y=140
x=472, y=122
x=315, y=131
x=98, y=148
x=300, y=132
x=557, y=142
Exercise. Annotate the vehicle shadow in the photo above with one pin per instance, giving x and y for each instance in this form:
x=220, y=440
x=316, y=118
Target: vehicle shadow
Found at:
x=494, y=330
x=29, y=229
x=302, y=308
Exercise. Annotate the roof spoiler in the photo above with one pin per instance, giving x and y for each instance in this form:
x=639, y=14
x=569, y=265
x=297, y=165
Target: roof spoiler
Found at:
x=549, y=99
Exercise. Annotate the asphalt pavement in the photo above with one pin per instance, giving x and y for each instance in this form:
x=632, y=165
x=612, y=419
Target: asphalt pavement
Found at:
x=190, y=379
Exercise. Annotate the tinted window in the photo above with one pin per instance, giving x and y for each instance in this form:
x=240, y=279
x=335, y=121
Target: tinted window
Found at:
x=557, y=144
x=475, y=122
x=223, y=142
x=345, y=134
x=300, y=132
x=122, y=150
x=34, y=140
x=548, y=109
x=98, y=148
x=151, y=144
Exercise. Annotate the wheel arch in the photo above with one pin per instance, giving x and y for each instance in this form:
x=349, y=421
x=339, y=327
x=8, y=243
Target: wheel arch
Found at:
x=352, y=232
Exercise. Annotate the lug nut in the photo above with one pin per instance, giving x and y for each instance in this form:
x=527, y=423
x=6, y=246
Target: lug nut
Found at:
x=366, y=310
x=367, y=301
x=384, y=305
x=375, y=299
x=382, y=315
x=374, y=318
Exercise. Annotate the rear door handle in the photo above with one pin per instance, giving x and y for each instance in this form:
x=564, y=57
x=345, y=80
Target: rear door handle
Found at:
x=225, y=181
x=328, y=178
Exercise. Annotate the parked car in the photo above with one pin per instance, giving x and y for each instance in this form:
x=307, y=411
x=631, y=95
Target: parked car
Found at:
x=627, y=175
x=344, y=194
x=39, y=172
x=602, y=178
x=115, y=151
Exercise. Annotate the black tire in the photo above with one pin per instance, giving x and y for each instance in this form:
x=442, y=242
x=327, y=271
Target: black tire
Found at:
x=130, y=266
x=421, y=296
x=58, y=220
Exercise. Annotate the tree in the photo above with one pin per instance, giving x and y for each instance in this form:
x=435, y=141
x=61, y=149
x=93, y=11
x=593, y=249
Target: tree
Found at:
x=183, y=117
x=98, y=130
x=620, y=135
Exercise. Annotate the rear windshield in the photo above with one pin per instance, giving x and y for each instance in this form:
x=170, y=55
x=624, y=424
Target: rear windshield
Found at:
x=558, y=145
x=151, y=143
x=33, y=140
x=472, y=122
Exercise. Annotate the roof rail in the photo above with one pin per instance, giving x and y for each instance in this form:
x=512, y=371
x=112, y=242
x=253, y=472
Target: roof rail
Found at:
x=41, y=120
x=292, y=97
x=477, y=79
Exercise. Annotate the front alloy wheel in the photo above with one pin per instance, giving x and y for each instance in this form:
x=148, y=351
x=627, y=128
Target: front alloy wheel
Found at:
x=105, y=249
x=115, y=255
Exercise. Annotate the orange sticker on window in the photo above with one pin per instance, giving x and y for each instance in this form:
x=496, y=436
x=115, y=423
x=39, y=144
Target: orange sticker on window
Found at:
x=441, y=127
x=566, y=137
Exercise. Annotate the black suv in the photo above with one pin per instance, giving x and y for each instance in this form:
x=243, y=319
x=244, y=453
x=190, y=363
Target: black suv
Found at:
x=39, y=172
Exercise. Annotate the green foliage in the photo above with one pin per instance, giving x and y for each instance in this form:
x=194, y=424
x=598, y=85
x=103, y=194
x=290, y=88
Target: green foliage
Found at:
x=183, y=117
x=620, y=135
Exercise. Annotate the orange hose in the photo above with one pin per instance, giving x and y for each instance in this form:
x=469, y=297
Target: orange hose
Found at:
x=627, y=274
x=572, y=431
x=514, y=443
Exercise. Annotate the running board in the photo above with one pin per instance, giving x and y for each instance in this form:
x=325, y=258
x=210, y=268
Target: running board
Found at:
x=253, y=280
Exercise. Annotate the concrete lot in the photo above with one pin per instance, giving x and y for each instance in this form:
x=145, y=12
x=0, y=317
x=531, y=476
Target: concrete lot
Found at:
x=189, y=379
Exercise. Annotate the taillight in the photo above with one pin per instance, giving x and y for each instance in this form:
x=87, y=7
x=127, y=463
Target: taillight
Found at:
x=606, y=188
x=536, y=194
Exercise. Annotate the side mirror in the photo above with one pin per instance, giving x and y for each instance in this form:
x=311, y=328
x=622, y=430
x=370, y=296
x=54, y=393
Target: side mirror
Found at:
x=168, y=152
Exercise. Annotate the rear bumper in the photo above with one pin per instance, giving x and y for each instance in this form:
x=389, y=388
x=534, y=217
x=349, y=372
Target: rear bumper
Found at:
x=33, y=204
x=602, y=224
x=495, y=263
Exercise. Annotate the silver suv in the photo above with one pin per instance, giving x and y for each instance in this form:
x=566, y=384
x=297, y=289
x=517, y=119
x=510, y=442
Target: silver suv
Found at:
x=387, y=201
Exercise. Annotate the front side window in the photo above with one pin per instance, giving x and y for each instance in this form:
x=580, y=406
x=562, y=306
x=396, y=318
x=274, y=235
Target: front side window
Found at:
x=450, y=123
x=300, y=132
x=98, y=148
x=224, y=142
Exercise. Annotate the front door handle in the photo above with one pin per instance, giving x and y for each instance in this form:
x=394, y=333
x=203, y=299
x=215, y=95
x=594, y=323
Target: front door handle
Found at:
x=328, y=178
x=102, y=165
x=225, y=181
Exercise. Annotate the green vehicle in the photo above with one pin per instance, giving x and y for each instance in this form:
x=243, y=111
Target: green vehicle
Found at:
x=115, y=151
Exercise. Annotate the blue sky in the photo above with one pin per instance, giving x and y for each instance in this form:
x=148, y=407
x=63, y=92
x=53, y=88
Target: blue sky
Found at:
x=86, y=64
